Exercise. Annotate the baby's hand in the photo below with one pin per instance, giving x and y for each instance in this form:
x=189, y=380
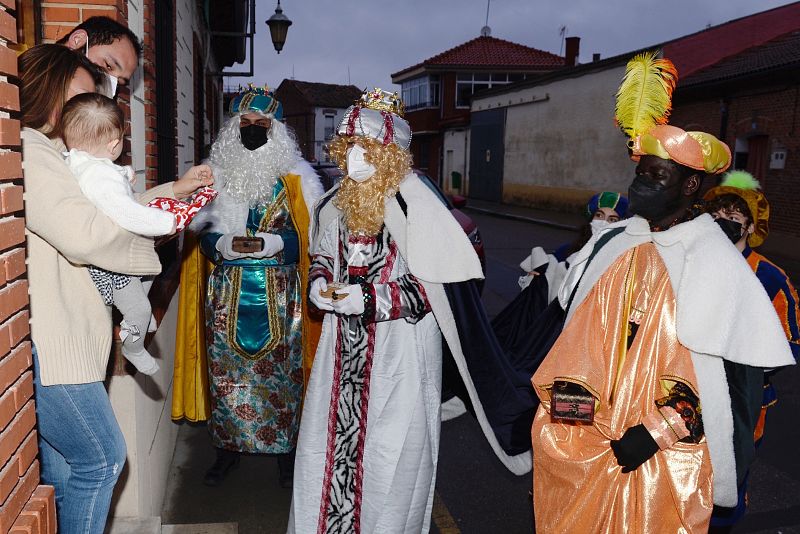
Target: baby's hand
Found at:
x=195, y=178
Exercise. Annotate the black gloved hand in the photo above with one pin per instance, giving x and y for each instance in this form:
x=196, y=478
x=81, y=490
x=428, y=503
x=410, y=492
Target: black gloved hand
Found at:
x=634, y=448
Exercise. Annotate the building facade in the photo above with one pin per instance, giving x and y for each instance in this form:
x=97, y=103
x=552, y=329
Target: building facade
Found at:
x=437, y=94
x=314, y=110
x=750, y=100
x=551, y=141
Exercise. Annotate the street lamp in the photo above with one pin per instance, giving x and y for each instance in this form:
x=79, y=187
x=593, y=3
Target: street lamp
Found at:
x=278, y=27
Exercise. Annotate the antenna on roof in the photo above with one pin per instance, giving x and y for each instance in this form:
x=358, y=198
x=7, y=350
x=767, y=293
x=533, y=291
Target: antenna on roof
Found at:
x=486, y=31
x=562, y=31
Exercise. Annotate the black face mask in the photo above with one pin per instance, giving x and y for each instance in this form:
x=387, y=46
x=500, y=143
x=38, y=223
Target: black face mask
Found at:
x=253, y=136
x=652, y=200
x=732, y=229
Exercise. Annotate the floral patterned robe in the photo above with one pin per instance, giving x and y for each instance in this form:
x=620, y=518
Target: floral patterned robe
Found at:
x=254, y=329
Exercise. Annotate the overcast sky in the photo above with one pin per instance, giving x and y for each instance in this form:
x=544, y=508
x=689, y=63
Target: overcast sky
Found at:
x=376, y=38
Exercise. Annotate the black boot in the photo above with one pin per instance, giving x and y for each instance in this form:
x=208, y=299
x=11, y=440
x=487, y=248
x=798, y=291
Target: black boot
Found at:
x=226, y=460
x=286, y=469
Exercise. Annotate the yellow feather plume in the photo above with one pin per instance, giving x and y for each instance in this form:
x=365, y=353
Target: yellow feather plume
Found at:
x=644, y=98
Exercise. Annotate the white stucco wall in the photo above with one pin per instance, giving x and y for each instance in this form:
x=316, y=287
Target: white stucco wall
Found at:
x=187, y=18
x=319, y=128
x=142, y=405
x=136, y=24
x=567, y=141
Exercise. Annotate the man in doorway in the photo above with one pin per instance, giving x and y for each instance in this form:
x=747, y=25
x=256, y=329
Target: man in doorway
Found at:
x=108, y=44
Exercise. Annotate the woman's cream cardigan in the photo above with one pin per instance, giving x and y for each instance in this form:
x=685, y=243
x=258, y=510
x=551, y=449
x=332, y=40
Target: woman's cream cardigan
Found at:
x=70, y=326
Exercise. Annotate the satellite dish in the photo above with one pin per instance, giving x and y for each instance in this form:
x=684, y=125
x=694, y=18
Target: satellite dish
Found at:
x=486, y=31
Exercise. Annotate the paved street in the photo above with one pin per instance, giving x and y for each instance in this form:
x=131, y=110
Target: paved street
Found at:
x=475, y=494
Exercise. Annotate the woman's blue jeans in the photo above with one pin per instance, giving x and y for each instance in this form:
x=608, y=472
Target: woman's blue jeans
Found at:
x=82, y=451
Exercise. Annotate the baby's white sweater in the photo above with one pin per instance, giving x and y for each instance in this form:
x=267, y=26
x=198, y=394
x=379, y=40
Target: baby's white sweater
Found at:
x=108, y=187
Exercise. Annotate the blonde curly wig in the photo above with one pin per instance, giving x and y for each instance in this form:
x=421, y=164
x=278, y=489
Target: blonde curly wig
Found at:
x=363, y=203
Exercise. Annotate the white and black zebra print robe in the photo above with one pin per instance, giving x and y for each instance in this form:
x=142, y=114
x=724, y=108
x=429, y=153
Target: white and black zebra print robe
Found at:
x=367, y=463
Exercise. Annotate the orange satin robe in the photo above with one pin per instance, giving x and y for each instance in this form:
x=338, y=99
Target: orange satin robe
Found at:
x=577, y=484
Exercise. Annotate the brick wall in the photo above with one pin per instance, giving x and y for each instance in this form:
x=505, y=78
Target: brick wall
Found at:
x=60, y=16
x=771, y=111
x=24, y=505
x=149, y=80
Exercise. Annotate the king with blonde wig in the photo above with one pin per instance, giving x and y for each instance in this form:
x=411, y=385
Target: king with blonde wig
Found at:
x=362, y=203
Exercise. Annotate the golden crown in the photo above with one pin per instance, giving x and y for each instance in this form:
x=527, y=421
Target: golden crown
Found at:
x=381, y=100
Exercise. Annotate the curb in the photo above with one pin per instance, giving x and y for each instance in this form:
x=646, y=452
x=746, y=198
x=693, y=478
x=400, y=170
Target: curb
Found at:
x=523, y=218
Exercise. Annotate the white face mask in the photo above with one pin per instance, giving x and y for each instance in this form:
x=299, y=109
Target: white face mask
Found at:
x=357, y=167
x=109, y=88
x=598, y=225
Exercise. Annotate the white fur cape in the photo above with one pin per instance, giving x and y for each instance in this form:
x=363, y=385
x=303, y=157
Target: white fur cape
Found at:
x=723, y=313
x=225, y=215
x=423, y=249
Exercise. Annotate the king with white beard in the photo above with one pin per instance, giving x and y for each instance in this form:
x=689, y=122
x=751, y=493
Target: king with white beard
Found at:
x=258, y=335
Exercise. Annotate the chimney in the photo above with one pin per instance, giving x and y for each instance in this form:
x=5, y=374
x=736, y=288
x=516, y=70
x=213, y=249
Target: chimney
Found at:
x=573, y=49
x=595, y=57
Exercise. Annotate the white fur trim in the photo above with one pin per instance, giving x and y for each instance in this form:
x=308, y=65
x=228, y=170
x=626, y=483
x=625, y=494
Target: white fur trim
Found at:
x=715, y=401
x=402, y=231
x=226, y=215
x=425, y=247
x=714, y=281
x=453, y=408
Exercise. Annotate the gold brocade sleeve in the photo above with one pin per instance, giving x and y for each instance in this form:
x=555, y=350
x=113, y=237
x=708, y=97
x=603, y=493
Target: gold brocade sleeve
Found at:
x=190, y=394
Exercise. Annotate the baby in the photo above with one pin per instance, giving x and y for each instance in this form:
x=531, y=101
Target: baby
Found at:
x=92, y=127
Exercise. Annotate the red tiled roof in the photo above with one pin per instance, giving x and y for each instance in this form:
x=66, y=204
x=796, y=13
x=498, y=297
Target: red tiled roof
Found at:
x=780, y=53
x=490, y=52
x=697, y=51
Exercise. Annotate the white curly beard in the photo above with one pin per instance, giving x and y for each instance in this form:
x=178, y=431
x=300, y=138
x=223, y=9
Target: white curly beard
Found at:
x=250, y=175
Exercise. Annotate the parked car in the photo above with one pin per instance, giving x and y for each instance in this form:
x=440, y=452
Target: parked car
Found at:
x=467, y=224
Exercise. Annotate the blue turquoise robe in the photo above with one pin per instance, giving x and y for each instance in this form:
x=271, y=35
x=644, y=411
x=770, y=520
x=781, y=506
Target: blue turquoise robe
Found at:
x=254, y=338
